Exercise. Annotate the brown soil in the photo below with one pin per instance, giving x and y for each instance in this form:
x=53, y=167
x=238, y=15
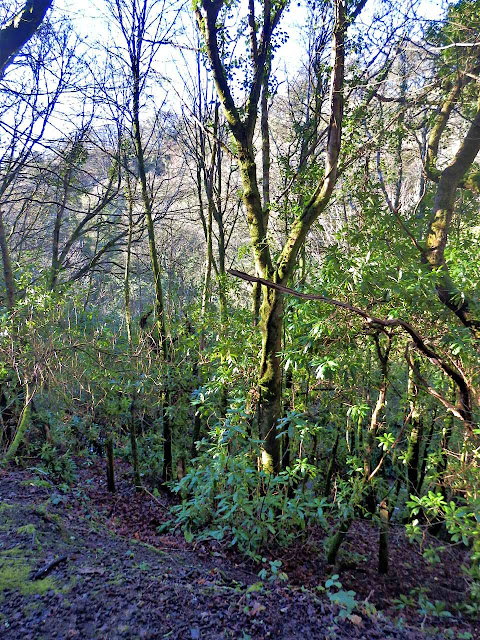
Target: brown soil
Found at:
x=111, y=584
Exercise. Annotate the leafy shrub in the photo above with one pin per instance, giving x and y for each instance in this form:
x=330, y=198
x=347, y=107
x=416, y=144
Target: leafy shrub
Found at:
x=226, y=497
x=60, y=466
x=461, y=517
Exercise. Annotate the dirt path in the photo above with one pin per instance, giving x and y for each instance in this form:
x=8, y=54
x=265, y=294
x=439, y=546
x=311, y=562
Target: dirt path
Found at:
x=108, y=587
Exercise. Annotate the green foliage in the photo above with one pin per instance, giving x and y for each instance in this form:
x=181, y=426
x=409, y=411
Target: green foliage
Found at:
x=418, y=599
x=61, y=466
x=462, y=521
x=345, y=600
x=226, y=497
x=271, y=571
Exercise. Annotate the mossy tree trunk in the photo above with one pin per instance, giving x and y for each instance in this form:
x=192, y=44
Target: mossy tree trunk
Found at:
x=7, y=265
x=128, y=324
x=336, y=541
x=22, y=426
x=242, y=128
x=270, y=378
x=457, y=174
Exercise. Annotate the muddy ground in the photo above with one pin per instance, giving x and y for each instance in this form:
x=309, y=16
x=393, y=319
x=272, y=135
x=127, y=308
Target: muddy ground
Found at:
x=108, y=573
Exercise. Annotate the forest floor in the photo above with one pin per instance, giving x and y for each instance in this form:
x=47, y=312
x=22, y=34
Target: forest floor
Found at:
x=108, y=574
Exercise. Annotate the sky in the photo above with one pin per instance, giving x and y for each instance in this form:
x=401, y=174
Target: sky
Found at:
x=90, y=22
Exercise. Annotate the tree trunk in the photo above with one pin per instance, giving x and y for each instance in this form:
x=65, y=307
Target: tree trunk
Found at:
x=243, y=130
x=7, y=265
x=55, y=266
x=375, y=420
x=437, y=235
x=424, y=460
x=157, y=275
x=133, y=444
x=270, y=379
x=110, y=463
x=337, y=540
x=22, y=427
x=167, y=473
x=412, y=456
x=128, y=322
x=383, y=539
x=20, y=29
x=331, y=466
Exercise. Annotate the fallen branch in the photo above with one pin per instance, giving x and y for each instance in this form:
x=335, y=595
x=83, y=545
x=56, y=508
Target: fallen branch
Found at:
x=44, y=571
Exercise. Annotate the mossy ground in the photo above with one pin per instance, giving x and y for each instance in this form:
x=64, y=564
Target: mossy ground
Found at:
x=27, y=530
x=16, y=570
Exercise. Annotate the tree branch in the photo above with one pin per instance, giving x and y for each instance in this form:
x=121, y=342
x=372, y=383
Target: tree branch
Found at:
x=20, y=29
x=464, y=412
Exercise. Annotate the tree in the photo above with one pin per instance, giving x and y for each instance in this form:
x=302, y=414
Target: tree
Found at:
x=19, y=29
x=144, y=26
x=243, y=128
x=28, y=101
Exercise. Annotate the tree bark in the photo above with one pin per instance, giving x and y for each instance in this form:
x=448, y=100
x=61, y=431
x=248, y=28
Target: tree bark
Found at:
x=18, y=31
x=412, y=456
x=128, y=323
x=7, y=265
x=375, y=420
x=270, y=379
x=134, y=41
x=110, y=463
x=437, y=235
x=383, y=539
x=22, y=427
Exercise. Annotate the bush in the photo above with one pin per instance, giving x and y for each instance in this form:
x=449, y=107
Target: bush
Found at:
x=226, y=497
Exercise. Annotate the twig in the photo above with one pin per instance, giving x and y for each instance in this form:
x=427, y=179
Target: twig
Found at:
x=44, y=571
x=154, y=498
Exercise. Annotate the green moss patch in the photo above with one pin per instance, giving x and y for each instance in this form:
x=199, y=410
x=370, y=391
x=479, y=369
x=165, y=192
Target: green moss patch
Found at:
x=27, y=528
x=15, y=572
x=6, y=511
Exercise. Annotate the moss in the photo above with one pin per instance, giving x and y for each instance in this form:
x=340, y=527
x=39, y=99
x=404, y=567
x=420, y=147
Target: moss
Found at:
x=150, y=547
x=22, y=428
x=6, y=511
x=36, y=482
x=15, y=551
x=27, y=528
x=30, y=531
x=54, y=519
x=267, y=462
x=15, y=573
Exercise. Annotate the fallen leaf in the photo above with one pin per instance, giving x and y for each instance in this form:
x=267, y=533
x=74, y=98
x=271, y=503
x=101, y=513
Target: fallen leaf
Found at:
x=356, y=620
x=256, y=608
